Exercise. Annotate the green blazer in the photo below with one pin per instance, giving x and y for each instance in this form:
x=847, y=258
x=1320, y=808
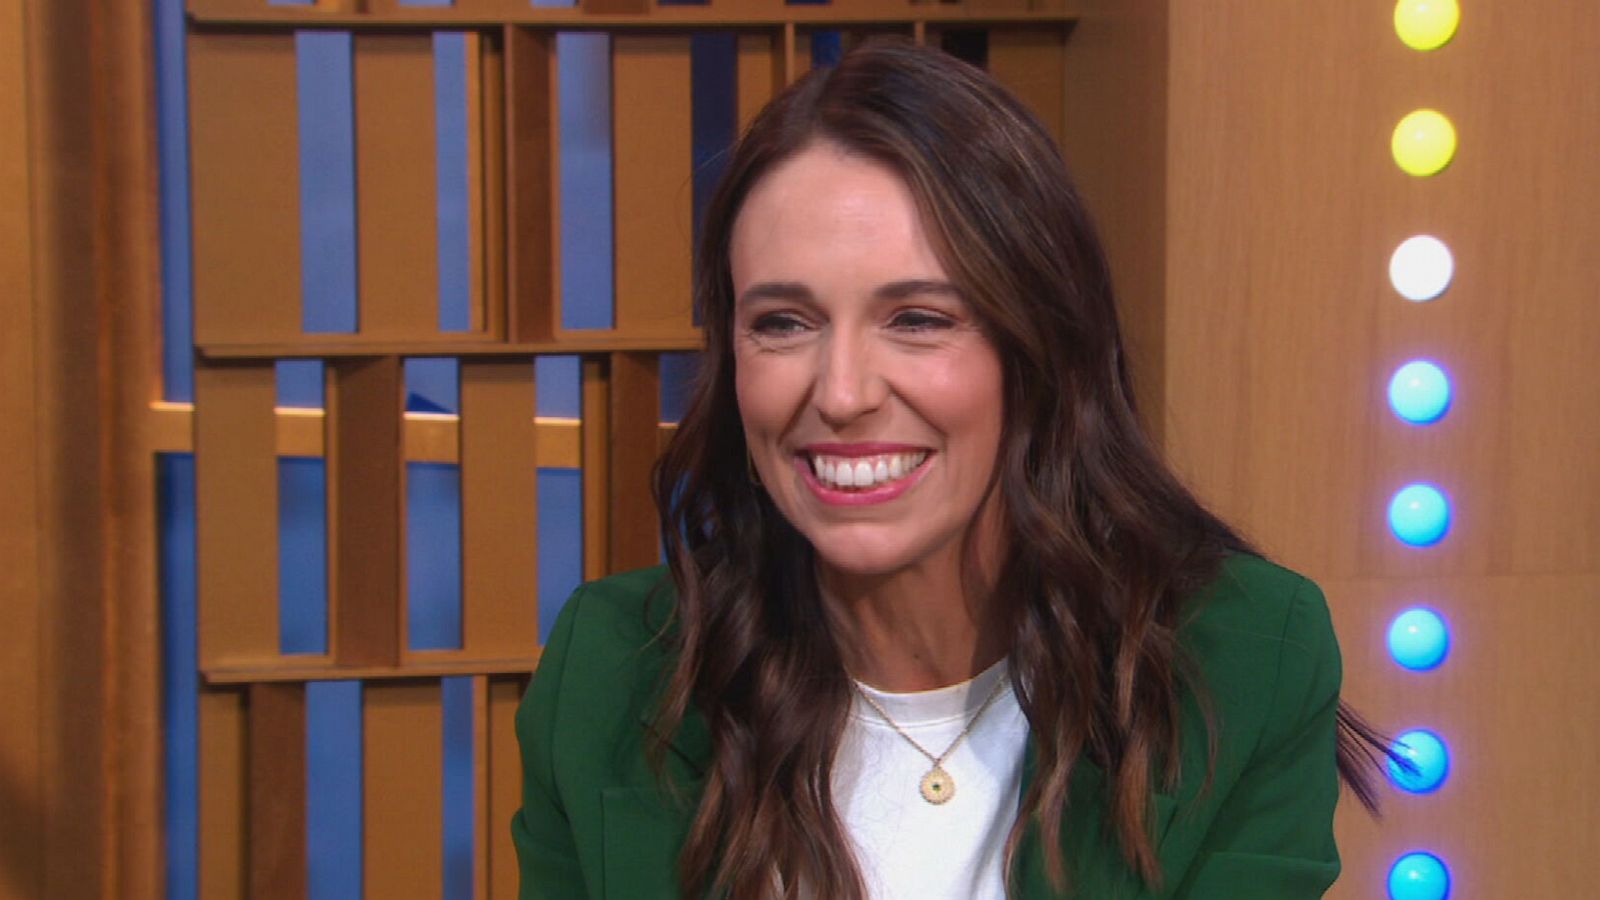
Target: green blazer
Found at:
x=594, y=823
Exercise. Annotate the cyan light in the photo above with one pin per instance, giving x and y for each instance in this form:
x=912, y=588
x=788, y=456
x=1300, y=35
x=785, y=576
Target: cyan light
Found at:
x=1418, y=639
x=1421, y=268
x=1419, y=392
x=1419, y=515
x=1427, y=752
x=1419, y=876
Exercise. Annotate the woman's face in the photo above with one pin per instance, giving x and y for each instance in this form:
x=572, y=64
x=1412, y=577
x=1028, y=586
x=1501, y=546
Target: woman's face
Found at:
x=871, y=399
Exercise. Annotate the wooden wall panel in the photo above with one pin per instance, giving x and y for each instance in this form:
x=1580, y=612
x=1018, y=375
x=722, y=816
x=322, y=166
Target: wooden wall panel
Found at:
x=1282, y=332
x=651, y=176
x=236, y=508
x=759, y=66
x=596, y=466
x=503, y=775
x=396, y=190
x=244, y=156
x=367, y=511
x=1032, y=64
x=223, y=759
x=635, y=391
x=499, y=509
x=403, y=795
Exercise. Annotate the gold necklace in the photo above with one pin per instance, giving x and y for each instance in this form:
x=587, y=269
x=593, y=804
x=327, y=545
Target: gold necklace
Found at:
x=937, y=786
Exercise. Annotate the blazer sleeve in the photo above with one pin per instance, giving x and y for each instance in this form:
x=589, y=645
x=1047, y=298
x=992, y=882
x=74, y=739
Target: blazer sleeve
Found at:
x=547, y=854
x=1272, y=837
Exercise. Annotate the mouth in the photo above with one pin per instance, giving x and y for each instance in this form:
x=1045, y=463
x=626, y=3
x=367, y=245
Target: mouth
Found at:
x=863, y=473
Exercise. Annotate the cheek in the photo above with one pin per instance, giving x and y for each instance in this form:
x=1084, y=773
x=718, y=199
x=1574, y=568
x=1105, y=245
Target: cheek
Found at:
x=767, y=391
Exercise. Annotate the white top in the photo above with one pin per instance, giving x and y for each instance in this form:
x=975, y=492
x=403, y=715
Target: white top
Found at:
x=907, y=847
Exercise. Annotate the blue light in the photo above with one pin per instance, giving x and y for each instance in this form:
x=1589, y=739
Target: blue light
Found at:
x=1419, y=392
x=1418, y=639
x=1419, y=515
x=1427, y=752
x=1419, y=876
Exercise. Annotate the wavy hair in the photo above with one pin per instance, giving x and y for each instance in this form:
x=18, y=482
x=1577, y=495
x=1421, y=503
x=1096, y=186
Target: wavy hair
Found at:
x=1103, y=541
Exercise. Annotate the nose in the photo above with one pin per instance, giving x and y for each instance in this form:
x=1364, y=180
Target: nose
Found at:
x=849, y=382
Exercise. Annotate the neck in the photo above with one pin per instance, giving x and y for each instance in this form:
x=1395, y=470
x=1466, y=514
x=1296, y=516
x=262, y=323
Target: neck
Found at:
x=914, y=630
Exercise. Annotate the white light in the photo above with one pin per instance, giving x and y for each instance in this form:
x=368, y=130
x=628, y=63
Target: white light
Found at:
x=1421, y=268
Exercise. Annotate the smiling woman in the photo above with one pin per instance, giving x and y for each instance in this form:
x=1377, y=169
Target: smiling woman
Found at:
x=937, y=621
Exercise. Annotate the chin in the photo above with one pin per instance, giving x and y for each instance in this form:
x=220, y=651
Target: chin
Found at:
x=861, y=560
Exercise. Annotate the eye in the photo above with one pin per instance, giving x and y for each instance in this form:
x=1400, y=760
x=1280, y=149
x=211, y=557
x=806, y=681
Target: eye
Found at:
x=778, y=325
x=920, y=320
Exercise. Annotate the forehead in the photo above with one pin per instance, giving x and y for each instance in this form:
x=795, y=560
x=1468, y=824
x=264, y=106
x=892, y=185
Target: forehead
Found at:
x=824, y=211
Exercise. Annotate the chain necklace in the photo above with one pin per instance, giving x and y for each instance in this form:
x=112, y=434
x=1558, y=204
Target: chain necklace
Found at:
x=937, y=786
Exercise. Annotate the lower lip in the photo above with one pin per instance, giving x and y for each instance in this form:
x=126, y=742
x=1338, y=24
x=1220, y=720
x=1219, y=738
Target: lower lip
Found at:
x=883, y=493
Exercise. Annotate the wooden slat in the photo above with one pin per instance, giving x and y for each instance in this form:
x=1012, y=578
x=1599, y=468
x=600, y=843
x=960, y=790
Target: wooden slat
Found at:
x=635, y=409
x=1031, y=62
x=596, y=464
x=759, y=64
x=435, y=664
x=396, y=193
x=531, y=181
x=483, y=824
x=491, y=196
x=505, y=783
x=796, y=53
x=365, y=483
x=491, y=13
x=321, y=346
x=476, y=252
x=223, y=792
x=403, y=789
x=243, y=127
x=652, y=167
x=277, y=790
x=499, y=507
x=236, y=509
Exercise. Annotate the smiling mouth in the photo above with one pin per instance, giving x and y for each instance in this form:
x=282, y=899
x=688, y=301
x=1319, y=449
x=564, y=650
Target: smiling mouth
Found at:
x=863, y=473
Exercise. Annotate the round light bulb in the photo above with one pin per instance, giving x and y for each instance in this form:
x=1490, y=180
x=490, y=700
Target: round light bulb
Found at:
x=1419, y=515
x=1419, y=639
x=1421, y=267
x=1419, y=392
x=1419, y=876
x=1427, y=753
x=1424, y=142
x=1426, y=24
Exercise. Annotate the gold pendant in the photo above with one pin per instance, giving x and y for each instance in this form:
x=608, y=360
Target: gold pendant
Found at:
x=937, y=786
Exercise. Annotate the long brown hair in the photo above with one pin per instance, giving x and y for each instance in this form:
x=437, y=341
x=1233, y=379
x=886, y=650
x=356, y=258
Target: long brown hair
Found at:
x=1104, y=543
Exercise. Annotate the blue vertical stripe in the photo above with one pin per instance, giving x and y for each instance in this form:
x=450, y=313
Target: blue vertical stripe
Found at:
x=180, y=679
x=560, y=541
x=583, y=86
x=433, y=385
x=302, y=555
x=826, y=48
x=459, y=806
x=455, y=230
x=300, y=383
x=433, y=555
x=677, y=379
x=714, y=111
x=326, y=90
x=333, y=790
x=558, y=383
x=172, y=132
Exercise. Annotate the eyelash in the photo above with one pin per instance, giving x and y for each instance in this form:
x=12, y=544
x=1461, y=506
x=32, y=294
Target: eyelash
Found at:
x=785, y=324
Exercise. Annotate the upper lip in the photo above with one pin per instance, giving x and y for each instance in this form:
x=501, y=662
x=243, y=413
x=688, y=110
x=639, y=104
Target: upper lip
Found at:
x=866, y=448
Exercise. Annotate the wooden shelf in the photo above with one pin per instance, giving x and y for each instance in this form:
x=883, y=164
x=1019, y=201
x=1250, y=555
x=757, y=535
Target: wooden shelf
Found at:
x=324, y=670
x=323, y=348
x=712, y=15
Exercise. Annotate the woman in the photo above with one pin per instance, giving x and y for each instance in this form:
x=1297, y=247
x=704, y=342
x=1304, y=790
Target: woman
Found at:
x=938, y=621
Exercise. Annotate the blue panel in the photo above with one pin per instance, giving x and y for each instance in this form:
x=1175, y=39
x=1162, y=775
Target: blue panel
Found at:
x=459, y=808
x=300, y=383
x=327, y=181
x=426, y=2
x=559, y=382
x=302, y=555
x=433, y=385
x=677, y=378
x=826, y=48
x=180, y=666
x=583, y=84
x=333, y=789
x=553, y=2
x=172, y=124
x=714, y=112
x=560, y=541
x=455, y=239
x=433, y=555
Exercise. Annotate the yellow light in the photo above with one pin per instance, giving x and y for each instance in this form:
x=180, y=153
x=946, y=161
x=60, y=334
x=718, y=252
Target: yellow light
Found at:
x=1426, y=24
x=1424, y=142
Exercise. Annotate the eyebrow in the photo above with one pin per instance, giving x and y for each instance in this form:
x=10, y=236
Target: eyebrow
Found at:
x=894, y=290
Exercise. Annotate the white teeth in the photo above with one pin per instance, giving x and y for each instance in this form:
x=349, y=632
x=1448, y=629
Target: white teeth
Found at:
x=864, y=472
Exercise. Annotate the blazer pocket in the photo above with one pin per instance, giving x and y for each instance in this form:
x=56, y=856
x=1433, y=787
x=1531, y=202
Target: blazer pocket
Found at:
x=642, y=833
